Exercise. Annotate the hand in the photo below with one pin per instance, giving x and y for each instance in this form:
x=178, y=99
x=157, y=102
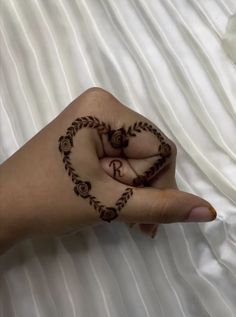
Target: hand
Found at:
x=97, y=161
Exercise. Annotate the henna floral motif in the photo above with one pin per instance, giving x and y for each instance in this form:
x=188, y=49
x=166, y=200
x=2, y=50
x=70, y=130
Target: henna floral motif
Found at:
x=108, y=214
x=118, y=139
x=82, y=189
x=164, y=149
x=65, y=144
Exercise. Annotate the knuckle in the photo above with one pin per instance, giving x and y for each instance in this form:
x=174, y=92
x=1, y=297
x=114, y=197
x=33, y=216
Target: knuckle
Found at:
x=90, y=97
x=98, y=98
x=96, y=91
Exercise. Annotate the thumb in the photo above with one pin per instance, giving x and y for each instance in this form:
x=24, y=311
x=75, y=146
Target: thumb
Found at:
x=149, y=205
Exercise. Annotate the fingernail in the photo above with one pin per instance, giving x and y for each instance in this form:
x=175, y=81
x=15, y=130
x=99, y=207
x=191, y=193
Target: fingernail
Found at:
x=201, y=214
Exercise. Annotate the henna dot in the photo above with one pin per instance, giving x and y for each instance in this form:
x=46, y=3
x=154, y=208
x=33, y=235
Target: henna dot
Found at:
x=108, y=214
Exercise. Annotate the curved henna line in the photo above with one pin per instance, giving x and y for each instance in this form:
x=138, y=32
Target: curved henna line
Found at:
x=96, y=203
x=70, y=170
x=88, y=122
x=119, y=139
x=138, y=127
x=124, y=198
x=151, y=172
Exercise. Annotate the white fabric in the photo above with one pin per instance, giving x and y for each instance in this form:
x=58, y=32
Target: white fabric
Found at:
x=164, y=59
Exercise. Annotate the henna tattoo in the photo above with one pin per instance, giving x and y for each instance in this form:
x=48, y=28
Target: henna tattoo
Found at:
x=65, y=144
x=116, y=168
x=118, y=139
x=82, y=189
x=164, y=152
x=124, y=198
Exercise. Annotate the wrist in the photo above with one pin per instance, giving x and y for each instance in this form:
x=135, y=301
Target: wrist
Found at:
x=13, y=217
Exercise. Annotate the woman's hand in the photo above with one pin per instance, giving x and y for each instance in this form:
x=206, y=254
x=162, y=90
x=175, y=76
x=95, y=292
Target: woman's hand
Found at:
x=97, y=161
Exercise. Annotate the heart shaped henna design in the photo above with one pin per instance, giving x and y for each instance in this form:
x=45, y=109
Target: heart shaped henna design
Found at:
x=118, y=139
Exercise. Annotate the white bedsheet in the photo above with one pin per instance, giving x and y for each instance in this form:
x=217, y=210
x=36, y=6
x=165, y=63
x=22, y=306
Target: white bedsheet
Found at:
x=165, y=59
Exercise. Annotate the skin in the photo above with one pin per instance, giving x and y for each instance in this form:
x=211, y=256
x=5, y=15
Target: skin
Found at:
x=37, y=195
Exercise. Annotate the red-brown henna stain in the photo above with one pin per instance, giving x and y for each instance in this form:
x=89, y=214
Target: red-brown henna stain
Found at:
x=118, y=139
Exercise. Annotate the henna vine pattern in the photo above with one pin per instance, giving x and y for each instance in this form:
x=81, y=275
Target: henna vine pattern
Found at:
x=164, y=152
x=118, y=139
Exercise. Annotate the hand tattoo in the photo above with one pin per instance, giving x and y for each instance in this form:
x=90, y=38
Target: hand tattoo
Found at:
x=116, y=164
x=118, y=139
